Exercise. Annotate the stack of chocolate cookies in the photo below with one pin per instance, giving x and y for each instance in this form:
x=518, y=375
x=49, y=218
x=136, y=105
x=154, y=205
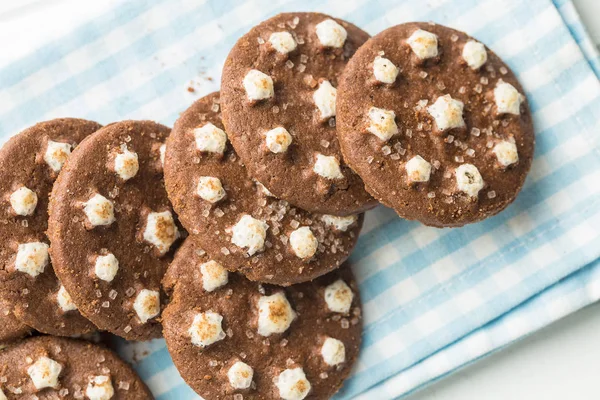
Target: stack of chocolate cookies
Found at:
x=229, y=235
x=46, y=198
x=270, y=178
x=261, y=304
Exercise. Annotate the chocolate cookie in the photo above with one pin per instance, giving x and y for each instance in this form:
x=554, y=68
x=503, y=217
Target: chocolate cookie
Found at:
x=436, y=124
x=112, y=230
x=29, y=164
x=236, y=220
x=278, y=95
x=230, y=337
x=48, y=367
x=11, y=329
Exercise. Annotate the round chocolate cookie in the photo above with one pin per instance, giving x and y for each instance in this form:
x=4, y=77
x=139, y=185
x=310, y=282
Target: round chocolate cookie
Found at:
x=436, y=125
x=236, y=220
x=229, y=336
x=11, y=329
x=47, y=367
x=278, y=95
x=112, y=230
x=29, y=164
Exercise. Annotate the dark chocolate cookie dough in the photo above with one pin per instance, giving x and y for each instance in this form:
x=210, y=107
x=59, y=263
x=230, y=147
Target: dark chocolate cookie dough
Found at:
x=51, y=368
x=278, y=98
x=29, y=164
x=11, y=329
x=229, y=336
x=235, y=219
x=112, y=230
x=435, y=124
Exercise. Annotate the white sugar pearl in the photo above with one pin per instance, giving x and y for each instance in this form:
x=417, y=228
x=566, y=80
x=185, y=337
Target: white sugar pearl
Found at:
x=32, y=258
x=240, y=375
x=327, y=167
x=210, y=138
x=258, y=86
x=474, y=54
x=206, y=329
x=147, y=305
x=283, y=42
x=338, y=297
x=506, y=153
x=447, y=113
x=292, y=384
x=99, y=210
x=126, y=164
x=469, y=180
x=382, y=123
x=418, y=170
x=250, y=233
x=424, y=44
x=44, y=373
x=64, y=300
x=210, y=189
x=278, y=140
x=161, y=230
x=100, y=388
x=333, y=352
x=106, y=267
x=56, y=154
x=331, y=34
x=162, y=150
x=325, y=99
x=339, y=223
x=213, y=275
x=303, y=242
x=384, y=70
x=275, y=314
x=23, y=201
x=508, y=99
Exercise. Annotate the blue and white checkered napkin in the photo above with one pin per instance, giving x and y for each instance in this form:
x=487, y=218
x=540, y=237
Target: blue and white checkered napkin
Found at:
x=434, y=300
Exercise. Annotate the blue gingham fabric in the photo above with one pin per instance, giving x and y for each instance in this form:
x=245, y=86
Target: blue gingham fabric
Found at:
x=434, y=300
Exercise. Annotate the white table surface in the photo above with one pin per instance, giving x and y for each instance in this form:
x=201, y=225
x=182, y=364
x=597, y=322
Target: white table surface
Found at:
x=560, y=362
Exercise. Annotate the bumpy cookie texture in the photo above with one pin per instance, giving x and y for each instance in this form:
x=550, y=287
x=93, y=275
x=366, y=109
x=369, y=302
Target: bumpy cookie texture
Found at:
x=111, y=257
x=47, y=367
x=262, y=342
x=450, y=141
x=11, y=329
x=29, y=164
x=239, y=223
x=284, y=74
